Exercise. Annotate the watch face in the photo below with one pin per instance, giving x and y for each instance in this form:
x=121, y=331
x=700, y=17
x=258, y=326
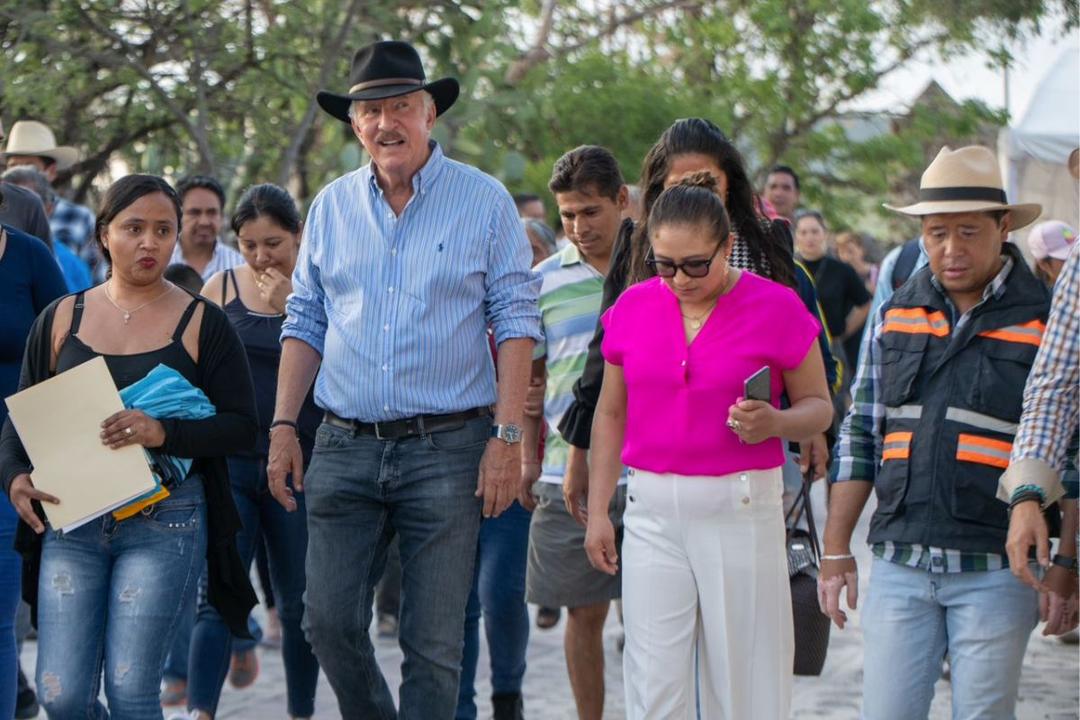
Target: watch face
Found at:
x=510, y=433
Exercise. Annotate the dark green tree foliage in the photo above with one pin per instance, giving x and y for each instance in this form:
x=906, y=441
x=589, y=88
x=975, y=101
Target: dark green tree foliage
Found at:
x=228, y=86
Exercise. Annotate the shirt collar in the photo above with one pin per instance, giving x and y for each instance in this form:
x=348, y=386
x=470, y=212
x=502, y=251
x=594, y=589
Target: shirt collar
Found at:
x=570, y=256
x=993, y=290
x=423, y=178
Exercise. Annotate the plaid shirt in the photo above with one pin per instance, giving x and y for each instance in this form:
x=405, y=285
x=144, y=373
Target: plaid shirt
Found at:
x=73, y=225
x=858, y=452
x=1048, y=425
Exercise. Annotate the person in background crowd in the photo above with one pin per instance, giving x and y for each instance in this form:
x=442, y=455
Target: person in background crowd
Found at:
x=86, y=574
x=76, y=272
x=410, y=253
x=267, y=226
x=530, y=206
x=677, y=349
x=1050, y=243
x=591, y=197
x=541, y=239
x=842, y=294
x=858, y=250
x=33, y=143
x=23, y=210
x=203, y=200
x=184, y=276
x=936, y=402
x=29, y=281
x=782, y=191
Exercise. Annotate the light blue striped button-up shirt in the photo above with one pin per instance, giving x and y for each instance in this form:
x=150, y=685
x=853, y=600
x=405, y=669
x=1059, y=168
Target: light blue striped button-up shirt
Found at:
x=398, y=306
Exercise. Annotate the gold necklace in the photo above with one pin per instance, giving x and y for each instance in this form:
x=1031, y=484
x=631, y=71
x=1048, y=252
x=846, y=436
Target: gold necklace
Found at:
x=128, y=313
x=697, y=322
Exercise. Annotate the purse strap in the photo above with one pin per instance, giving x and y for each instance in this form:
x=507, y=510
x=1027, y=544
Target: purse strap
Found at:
x=802, y=505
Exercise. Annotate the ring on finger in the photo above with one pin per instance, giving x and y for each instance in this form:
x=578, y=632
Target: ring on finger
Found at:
x=128, y=431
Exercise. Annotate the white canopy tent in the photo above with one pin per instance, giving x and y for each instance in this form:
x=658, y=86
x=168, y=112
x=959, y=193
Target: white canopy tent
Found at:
x=1034, y=153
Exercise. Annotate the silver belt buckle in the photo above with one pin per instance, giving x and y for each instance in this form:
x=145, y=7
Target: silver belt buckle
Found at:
x=378, y=432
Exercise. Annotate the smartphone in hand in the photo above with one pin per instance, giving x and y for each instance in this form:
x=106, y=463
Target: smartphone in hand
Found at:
x=758, y=386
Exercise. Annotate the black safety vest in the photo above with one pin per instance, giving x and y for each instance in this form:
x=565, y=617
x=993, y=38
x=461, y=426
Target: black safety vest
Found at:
x=952, y=405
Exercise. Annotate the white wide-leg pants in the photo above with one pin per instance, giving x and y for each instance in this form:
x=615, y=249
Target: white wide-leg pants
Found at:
x=704, y=564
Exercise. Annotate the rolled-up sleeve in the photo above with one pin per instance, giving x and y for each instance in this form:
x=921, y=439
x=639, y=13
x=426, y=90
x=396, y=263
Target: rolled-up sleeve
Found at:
x=513, y=290
x=306, y=307
x=1048, y=424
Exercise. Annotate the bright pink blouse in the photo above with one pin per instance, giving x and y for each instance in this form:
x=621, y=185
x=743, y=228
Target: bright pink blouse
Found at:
x=678, y=396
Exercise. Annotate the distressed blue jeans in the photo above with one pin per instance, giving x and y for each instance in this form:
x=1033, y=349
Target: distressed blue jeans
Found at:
x=360, y=493
x=110, y=595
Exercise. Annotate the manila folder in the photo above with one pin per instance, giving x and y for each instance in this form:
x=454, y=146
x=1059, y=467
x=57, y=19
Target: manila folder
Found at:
x=59, y=423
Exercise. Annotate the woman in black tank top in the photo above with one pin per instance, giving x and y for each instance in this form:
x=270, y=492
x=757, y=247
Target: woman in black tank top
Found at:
x=108, y=595
x=267, y=226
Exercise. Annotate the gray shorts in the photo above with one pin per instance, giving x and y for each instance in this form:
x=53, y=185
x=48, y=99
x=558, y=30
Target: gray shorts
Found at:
x=559, y=573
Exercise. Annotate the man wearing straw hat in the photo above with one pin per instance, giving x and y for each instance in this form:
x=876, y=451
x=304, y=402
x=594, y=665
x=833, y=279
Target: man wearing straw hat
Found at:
x=936, y=403
x=33, y=143
x=404, y=265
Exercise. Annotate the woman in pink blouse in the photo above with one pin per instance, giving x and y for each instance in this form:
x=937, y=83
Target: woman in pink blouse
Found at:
x=705, y=561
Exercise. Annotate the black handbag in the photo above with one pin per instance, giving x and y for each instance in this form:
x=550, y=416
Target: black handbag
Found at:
x=804, y=558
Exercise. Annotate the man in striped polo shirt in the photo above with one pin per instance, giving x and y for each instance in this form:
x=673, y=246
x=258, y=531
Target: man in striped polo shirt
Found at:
x=591, y=196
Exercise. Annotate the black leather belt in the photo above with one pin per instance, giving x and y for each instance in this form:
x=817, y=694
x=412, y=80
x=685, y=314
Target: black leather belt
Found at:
x=407, y=427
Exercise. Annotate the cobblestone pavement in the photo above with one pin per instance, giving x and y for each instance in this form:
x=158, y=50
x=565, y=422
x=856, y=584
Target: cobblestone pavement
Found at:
x=1049, y=689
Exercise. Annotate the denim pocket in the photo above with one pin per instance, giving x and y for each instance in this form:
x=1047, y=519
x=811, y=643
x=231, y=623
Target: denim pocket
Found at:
x=472, y=434
x=174, y=517
x=331, y=437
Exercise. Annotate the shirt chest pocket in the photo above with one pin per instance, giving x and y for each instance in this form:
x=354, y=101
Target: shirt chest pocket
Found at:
x=901, y=359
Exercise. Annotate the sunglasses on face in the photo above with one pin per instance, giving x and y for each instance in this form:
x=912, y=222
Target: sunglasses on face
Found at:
x=690, y=268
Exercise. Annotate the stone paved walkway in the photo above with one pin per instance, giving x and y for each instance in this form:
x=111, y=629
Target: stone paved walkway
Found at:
x=1050, y=684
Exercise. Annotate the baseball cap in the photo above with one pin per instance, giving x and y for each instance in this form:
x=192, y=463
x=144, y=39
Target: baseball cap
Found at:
x=1051, y=239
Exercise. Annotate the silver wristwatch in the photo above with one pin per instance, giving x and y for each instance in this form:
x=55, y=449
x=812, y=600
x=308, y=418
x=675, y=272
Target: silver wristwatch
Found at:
x=509, y=434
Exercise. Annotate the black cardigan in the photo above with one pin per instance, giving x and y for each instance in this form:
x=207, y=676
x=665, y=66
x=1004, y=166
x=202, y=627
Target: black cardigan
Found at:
x=222, y=373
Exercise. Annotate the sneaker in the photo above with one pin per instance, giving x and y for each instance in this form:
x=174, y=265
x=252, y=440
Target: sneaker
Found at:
x=26, y=705
x=388, y=626
x=174, y=693
x=186, y=715
x=547, y=618
x=243, y=669
x=507, y=706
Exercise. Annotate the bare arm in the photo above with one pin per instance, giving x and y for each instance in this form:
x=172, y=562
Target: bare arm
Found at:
x=296, y=371
x=500, y=468
x=530, y=438
x=855, y=320
x=609, y=429
x=838, y=567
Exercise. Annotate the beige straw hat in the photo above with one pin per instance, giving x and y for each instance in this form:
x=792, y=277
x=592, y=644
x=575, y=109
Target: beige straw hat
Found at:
x=29, y=137
x=966, y=180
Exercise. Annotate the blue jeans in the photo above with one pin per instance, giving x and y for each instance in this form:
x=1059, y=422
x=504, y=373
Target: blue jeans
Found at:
x=285, y=535
x=361, y=492
x=10, y=584
x=498, y=588
x=176, y=665
x=912, y=618
x=110, y=597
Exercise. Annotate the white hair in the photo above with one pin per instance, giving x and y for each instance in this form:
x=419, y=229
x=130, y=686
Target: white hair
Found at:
x=429, y=103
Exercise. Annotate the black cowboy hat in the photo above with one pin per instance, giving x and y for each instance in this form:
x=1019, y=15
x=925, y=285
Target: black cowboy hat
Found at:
x=387, y=69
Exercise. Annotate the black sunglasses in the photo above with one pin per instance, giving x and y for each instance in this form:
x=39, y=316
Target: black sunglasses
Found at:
x=690, y=268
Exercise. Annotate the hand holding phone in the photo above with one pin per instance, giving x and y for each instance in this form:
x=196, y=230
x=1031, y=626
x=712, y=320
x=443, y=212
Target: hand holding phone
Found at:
x=759, y=386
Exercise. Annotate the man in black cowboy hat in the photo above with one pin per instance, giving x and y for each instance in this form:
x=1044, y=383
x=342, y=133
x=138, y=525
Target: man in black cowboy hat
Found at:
x=936, y=402
x=405, y=264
